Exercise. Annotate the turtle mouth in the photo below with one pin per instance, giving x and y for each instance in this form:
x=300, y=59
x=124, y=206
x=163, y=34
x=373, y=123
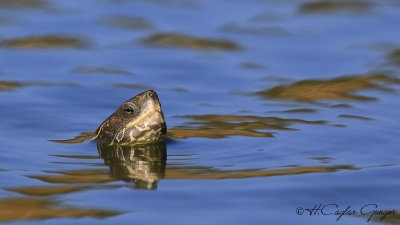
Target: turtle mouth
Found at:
x=149, y=130
x=155, y=118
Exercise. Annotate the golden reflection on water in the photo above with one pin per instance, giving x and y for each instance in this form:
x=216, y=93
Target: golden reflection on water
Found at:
x=221, y=126
x=76, y=177
x=341, y=88
x=179, y=133
x=144, y=166
x=14, y=209
x=78, y=139
x=186, y=41
x=47, y=190
x=335, y=6
x=46, y=41
x=180, y=173
x=9, y=85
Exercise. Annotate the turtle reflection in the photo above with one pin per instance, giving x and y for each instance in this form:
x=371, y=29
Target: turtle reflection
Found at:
x=144, y=165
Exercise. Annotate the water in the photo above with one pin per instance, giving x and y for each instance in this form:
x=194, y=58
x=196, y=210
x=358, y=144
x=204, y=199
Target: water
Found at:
x=271, y=106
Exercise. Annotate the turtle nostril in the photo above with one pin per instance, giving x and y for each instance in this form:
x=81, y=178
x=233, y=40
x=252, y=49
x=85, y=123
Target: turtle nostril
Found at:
x=151, y=94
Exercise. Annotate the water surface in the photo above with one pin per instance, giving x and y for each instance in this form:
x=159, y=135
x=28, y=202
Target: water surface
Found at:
x=270, y=105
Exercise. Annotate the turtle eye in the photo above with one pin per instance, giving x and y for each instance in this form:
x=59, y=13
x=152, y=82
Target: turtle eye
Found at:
x=129, y=109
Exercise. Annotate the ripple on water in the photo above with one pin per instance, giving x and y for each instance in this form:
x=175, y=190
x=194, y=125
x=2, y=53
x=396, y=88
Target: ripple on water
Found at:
x=14, y=209
x=335, y=6
x=128, y=22
x=252, y=65
x=144, y=167
x=341, y=88
x=221, y=126
x=185, y=41
x=11, y=85
x=394, y=57
x=75, y=177
x=242, y=29
x=22, y=4
x=299, y=110
x=100, y=70
x=45, y=42
x=188, y=4
x=354, y=117
x=143, y=87
x=47, y=190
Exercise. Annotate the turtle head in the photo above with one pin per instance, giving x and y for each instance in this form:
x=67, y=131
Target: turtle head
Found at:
x=138, y=120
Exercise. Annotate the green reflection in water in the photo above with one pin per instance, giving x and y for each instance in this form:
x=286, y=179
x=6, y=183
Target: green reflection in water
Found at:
x=185, y=41
x=46, y=41
x=341, y=88
x=335, y=6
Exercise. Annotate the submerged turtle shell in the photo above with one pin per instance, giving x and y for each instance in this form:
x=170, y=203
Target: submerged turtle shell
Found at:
x=138, y=120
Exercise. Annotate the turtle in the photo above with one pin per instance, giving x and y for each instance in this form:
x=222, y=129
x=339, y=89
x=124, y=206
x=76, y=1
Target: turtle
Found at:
x=138, y=120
